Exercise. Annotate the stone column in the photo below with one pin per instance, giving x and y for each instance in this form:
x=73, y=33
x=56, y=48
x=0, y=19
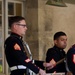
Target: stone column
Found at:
x=32, y=24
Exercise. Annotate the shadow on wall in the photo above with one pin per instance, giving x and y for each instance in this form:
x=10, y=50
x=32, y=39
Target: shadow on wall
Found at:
x=70, y=1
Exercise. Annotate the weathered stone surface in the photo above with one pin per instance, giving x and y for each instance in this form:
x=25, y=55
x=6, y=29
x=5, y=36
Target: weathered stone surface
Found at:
x=45, y=20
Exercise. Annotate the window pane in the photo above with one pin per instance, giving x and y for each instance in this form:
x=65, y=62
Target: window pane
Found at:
x=0, y=7
x=0, y=21
x=1, y=51
x=18, y=9
x=10, y=8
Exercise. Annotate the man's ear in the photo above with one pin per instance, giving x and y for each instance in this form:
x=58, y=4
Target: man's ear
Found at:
x=55, y=41
x=15, y=26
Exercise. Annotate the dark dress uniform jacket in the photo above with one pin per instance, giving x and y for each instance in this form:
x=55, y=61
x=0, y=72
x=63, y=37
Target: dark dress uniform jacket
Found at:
x=71, y=59
x=56, y=54
x=15, y=55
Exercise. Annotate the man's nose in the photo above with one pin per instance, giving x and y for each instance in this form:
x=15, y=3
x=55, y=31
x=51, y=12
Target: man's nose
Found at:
x=26, y=28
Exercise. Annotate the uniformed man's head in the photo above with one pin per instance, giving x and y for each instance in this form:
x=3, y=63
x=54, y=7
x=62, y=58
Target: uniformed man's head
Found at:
x=18, y=25
x=60, y=39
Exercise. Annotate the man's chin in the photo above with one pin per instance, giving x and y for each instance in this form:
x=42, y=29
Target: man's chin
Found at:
x=64, y=47
x=23, y=34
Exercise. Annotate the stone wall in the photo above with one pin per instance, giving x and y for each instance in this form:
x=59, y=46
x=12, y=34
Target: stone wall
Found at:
x=45, y=20
x=52, y=19
x=31, y=12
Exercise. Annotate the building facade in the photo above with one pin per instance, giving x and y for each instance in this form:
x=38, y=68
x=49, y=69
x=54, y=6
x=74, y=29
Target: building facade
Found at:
x=42, y=20
x=7, y=8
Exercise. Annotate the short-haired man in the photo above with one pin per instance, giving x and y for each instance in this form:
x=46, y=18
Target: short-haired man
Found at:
x=56, y=53
x=15, y=53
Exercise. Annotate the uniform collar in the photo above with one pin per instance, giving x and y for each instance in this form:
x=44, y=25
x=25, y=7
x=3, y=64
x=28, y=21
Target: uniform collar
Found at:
x=57, y=48
x=14, y=34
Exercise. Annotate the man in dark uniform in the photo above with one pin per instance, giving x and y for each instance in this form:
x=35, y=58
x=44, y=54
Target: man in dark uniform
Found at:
x=56, y=53
x=14, y=49
x=71, y=59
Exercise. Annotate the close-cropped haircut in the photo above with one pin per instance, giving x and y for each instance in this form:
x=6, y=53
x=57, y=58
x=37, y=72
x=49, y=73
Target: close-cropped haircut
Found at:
x=15, y=19
x=58, y=34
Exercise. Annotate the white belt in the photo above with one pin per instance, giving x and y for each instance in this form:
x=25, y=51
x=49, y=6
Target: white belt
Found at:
x=17, y=67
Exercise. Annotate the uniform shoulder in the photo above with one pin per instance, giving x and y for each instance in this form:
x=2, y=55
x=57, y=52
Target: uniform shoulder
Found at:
x=73, y=46
x=51, y=50
x=10, y=38
x=71, y=49
x=7, y=39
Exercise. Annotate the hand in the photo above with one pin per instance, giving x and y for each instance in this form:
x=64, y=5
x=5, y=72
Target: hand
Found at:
x=45, y=64
x=49, y=65
x=52, y=63
x=42, y=72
